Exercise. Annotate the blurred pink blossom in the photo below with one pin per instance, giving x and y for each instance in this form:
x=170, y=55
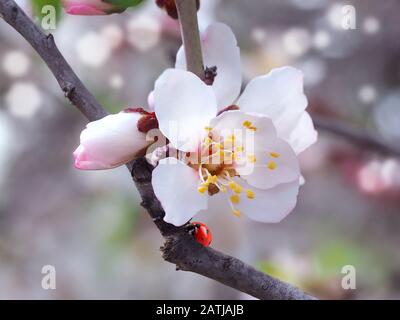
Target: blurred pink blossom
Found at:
x=90, y=7
x=379, y=177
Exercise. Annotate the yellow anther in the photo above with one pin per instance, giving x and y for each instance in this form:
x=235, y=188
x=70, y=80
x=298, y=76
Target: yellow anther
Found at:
x=274, y=154
x=246, y=123
x=235, y=199
x=252, y=158
x=232, y=185
x=208, y=129
x=239, y=149
x=271, y=165
x=238, y=188
x=252, y=128
x=202, y=188
x=250, y=194
x=211, y=179
x=237, y=213
x=231, y=138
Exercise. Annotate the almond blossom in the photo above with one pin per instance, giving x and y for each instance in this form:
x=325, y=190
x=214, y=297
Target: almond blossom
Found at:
x=260, y=176
x=244, y=148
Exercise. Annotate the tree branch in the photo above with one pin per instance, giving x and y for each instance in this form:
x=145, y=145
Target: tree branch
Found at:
x=356, y=136
x=188, y=255
x=179, y=248
x=44, y=45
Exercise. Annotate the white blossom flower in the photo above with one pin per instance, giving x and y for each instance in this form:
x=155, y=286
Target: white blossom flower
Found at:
x=260, y=176
x=245, y=148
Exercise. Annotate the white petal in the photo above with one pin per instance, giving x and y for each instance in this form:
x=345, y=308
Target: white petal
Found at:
x=175, y=185
x=260, y=144
x=232, y=122
x=234, y=119
x=220, y=49
x=275, y=163
x=278, y=95
x=271, y=205
x=303, y=134
x=184, y=105
x=110, y=142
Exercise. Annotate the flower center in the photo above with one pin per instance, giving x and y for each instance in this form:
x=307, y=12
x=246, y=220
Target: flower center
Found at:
x=218, y=157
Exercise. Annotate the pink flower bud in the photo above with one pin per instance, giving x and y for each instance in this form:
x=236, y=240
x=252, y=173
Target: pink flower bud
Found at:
x=90, y=7
x=110, y=142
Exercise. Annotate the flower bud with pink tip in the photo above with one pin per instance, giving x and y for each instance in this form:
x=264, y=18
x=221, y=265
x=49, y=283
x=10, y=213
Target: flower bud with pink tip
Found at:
x=112, y=141
x=97, y=7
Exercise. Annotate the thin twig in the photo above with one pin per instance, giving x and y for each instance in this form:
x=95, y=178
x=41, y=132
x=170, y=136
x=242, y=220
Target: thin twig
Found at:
x=179, y=247
x=355, y=136
x=187, y=13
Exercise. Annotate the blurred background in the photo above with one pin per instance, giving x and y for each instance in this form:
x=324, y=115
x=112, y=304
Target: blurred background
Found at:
x=90, y=226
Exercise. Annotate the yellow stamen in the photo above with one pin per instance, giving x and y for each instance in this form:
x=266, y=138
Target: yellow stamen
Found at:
x=237, y=213
x=274, y=154
x=232, y=185
x=239, y=149
x=238, y=188
x=223, y=189
x=208, y=129
x=252, y=158
x=211, y=179
x=247, y=124
x=271, y=165
x=202, y=188
x=250, y=194
x=214, y=179
x=235, y=199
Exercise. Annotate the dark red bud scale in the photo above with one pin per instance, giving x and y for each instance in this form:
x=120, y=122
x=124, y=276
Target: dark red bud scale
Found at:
x=147, y=122
x=170, y=7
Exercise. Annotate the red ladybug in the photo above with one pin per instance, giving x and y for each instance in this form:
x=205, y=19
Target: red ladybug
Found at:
x=201, y=233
